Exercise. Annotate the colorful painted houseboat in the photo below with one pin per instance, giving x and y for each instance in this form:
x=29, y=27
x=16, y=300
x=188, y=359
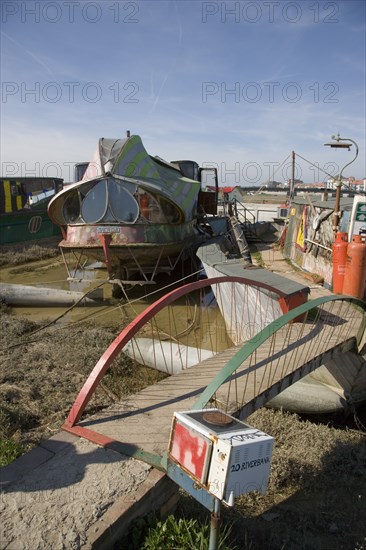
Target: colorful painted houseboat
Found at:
x=138, y=214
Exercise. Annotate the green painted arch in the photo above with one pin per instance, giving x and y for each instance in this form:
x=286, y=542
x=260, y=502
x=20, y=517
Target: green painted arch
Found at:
x=249, y=347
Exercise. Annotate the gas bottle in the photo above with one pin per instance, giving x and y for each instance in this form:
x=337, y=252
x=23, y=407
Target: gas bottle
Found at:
x=339, y=252
x=355, y=272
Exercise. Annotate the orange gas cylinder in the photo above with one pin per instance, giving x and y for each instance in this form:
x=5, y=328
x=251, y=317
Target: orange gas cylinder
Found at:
x=339, y=253
x=355, y=273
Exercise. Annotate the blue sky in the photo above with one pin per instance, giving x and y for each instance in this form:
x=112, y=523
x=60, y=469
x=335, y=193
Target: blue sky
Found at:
x=237, y=85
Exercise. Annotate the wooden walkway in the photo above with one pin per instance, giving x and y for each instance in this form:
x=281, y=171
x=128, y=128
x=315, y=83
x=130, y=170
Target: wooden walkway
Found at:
x=144, y=419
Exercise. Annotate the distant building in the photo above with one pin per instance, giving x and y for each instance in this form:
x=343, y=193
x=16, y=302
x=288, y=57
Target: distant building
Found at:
x=274, y=184
x=360, y=185
x=349, y=183
x=317, y=185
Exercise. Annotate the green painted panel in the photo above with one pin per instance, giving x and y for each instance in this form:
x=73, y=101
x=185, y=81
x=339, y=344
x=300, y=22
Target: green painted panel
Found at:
x=26, y=226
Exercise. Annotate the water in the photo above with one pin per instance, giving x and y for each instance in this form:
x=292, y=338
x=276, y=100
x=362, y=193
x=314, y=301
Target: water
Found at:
x=53, y=274
x=198, y=320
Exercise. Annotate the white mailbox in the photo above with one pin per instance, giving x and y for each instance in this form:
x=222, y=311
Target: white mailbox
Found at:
x=220, y=453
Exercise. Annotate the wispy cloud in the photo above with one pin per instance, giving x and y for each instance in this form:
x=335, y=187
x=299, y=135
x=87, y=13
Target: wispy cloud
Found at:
x=30, y=54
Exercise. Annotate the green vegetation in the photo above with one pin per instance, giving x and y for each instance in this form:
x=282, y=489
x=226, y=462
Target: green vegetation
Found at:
x=9, y=451
x=257, y=258
x=172, y=534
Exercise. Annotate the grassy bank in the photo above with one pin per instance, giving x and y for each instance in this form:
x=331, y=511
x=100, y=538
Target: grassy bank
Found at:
x=44, y=370
x=24, y=253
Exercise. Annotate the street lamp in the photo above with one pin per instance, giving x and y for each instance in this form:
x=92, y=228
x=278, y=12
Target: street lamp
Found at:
x=338, y=145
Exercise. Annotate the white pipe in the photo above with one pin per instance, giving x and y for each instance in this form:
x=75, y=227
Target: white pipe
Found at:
x=318, y=244
x=23, y=295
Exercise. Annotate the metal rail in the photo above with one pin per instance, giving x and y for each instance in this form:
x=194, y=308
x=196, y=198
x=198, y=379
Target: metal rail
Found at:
x=265, y=335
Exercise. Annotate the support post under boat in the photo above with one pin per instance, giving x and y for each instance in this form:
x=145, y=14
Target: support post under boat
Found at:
x=105, y=240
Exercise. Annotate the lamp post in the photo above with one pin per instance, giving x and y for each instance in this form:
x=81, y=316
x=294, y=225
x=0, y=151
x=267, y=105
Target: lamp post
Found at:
x=336, y=144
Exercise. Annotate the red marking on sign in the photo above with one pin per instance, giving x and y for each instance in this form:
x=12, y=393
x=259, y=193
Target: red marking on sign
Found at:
x=190, y=450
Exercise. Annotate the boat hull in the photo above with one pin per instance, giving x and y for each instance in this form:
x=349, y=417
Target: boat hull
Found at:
x=139, y=246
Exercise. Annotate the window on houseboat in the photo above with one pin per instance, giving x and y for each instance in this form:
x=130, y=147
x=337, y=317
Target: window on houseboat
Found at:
x=71, y=209
x=157, y=209
x=170, y=212
x=122, y=204
x=94, y=206
x=109, y=201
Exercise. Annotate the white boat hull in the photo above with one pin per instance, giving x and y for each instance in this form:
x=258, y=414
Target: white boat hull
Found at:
x=165, y=356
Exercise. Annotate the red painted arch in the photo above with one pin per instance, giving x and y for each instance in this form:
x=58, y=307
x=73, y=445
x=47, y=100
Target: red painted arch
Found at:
x=128, y=332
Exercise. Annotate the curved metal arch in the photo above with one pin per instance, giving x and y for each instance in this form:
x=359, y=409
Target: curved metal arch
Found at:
x=249, y=347
x=128, y=332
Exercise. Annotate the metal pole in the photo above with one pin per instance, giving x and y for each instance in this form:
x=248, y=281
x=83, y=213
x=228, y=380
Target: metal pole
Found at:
x=337, y=213
x=292, y=188
x=215, y=526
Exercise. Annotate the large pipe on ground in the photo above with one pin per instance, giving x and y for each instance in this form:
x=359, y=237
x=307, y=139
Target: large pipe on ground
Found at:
x=32, y=296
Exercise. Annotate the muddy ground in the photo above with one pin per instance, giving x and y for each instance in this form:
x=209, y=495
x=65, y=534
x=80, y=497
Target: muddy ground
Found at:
x=316, y=497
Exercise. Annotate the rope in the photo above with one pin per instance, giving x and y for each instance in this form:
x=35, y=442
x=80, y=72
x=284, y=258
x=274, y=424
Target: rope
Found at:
x=315, y=166
x=57, y=318
x=275, y=172
x=95, y=315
